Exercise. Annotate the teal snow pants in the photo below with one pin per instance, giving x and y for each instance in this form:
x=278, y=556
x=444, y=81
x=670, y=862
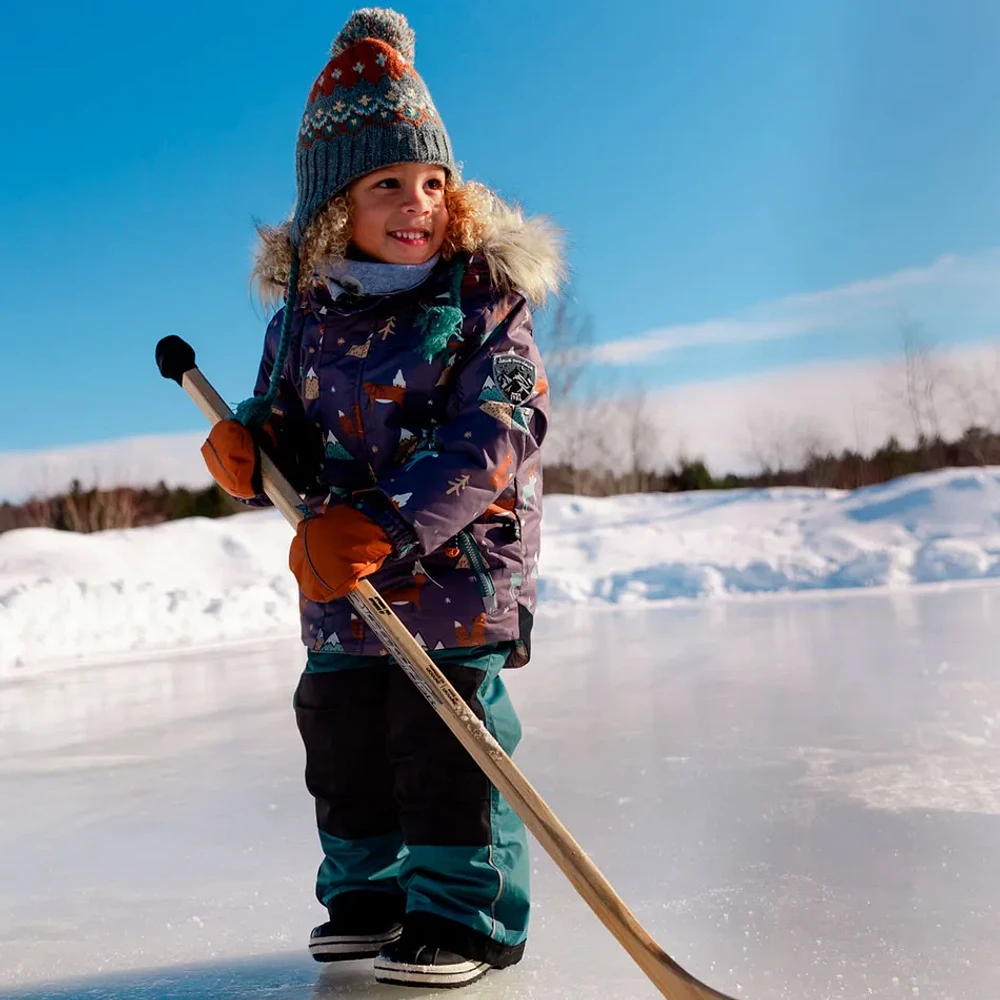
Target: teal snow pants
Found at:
x=402, y=808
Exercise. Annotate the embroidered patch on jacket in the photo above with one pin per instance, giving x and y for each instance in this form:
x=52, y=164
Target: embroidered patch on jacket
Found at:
x=514, y=377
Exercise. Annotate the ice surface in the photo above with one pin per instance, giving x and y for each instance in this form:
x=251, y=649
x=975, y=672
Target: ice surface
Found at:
x=798, y=798
x=198, y=582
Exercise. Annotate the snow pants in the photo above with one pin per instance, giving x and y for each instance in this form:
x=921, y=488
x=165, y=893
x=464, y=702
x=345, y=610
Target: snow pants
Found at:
x=402, y=808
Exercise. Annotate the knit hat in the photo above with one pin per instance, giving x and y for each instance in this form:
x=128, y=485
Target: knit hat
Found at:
x=368, y=109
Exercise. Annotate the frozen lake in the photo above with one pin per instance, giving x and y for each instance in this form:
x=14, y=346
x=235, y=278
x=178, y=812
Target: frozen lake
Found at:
x=800, y=798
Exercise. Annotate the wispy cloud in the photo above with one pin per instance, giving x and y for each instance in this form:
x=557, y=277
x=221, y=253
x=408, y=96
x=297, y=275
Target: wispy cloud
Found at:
x=951, y=286
x=713, y=331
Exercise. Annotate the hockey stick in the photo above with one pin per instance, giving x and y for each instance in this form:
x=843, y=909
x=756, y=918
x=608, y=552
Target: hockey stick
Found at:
x=176, y=360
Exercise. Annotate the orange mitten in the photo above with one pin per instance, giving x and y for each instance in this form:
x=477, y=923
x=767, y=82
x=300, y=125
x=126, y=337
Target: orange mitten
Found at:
x=233, y=458
x=332, y=552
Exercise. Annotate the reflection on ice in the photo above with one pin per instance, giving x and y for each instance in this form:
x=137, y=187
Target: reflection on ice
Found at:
x=797, y=797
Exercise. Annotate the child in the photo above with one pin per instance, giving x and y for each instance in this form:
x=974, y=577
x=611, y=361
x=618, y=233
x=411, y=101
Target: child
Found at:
x=402, y=393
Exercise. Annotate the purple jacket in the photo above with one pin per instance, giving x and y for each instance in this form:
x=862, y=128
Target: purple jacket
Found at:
x=438, y=442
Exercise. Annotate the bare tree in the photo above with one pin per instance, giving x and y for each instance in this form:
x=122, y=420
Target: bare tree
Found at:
x=917, y=382
x=813, y=449
x=640, y=440
x=861, y=448
x=100, y=510
x=579, y=436
x=779, y=444
x=565, y=342
x=975, y=395
x=585, y=439
x=603, y=436
x=769, y=447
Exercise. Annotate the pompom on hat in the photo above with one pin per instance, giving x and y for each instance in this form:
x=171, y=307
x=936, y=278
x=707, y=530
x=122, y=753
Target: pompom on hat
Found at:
x=377, y=22
x=367, y=109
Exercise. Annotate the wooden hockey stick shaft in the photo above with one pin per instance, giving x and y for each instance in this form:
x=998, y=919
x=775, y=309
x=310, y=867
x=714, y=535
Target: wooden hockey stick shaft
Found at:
x=667, y=976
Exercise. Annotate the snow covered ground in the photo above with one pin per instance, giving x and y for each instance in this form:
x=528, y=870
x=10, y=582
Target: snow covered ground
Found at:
x=799, y=798
x=67, y=597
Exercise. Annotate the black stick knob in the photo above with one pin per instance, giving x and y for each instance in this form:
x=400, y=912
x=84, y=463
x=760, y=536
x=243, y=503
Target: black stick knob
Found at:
x=174, y=357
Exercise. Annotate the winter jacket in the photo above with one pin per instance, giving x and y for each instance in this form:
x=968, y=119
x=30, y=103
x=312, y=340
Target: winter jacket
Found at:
x=438, y=443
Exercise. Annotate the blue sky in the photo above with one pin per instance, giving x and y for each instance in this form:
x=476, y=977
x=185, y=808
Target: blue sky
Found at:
x=745, y=185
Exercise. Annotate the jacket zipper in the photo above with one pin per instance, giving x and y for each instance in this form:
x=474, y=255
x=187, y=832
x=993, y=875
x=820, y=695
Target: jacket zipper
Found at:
x=469, y=548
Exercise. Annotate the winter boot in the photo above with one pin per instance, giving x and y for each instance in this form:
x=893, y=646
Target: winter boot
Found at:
x=360, y=924
x=407, y=962
x=441, y=953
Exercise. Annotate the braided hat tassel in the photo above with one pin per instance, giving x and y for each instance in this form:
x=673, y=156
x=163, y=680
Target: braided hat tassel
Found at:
x=253, y=412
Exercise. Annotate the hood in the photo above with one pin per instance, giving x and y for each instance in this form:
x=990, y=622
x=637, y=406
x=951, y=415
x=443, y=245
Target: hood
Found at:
x=523, y=254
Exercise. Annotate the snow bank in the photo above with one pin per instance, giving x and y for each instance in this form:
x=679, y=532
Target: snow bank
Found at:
x=198, y=582
x=184, y=583
x=653, y=547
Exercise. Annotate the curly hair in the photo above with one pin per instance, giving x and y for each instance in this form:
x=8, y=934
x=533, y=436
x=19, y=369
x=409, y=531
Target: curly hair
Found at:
x=329, y=234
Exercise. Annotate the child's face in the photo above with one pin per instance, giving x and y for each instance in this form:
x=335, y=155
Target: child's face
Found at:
x=398, y=214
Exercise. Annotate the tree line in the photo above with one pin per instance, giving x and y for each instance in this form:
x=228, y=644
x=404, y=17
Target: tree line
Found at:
x=603, y=442
x=94, y=509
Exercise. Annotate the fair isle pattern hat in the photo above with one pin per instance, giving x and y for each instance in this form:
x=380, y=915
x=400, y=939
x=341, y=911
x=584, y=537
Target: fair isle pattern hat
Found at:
x=368, y=109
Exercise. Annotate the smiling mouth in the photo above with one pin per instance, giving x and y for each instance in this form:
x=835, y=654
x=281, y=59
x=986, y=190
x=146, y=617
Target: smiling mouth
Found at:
x=411, y=237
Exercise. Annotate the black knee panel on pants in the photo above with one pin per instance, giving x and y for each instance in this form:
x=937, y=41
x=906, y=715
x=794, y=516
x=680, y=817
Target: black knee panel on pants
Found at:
x=342, y=717
x=443, y=796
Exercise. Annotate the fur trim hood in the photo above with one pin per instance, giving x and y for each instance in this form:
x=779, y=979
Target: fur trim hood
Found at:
x=523, y=254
